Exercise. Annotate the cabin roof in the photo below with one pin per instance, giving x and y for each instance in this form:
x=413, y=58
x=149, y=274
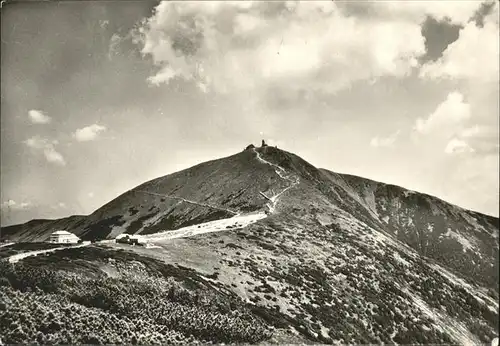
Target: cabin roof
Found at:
x=62, y=233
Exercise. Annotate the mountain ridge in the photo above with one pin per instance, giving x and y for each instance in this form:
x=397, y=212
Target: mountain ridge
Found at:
x=316, y=255
x=242, y=183
x=479, y=213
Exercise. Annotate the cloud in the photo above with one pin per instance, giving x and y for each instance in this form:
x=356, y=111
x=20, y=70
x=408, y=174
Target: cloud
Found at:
x=293, y=46
x=482, y=139
x=456, y=12
x=48, y=148
x=470, y=62
x=88, y=133
x=448, y=115
x=457, y=146
x=384, y=141
x=54, y=156
x=474, y=55
x=37, y=142
x=37, y=117
x=211, y=43
x=13, y=205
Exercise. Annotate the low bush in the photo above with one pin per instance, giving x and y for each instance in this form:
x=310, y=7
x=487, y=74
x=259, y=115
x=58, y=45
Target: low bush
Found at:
x=144, y=304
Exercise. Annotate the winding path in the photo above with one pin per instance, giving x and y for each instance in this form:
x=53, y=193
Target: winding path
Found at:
x=235, y=222
x=20, y=256
x=281, y=172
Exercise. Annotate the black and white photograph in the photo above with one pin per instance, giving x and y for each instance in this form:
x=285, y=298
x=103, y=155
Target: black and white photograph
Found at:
x=249, y=172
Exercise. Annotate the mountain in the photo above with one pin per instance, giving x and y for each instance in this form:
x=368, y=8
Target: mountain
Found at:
x=335, y=258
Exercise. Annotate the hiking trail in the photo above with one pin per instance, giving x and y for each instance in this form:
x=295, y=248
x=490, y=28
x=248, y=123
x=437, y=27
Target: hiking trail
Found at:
x=281, y=172
x=191, y=202
x=17, y=257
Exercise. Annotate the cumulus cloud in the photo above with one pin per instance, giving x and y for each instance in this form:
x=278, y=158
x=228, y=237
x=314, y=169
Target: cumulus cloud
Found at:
x=13, y=205
x=458, y=61
x=88, y=133
x=37, y=117
x=48, y=149
x=292, y=45
x=310, y=45
x=471, y=62
x=54, y=156
x=384, y=141
x=473, y=56
x=448, y=115
x=457, y=146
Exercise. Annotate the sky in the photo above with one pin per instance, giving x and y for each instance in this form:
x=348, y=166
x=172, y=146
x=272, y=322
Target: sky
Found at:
x=99, y=97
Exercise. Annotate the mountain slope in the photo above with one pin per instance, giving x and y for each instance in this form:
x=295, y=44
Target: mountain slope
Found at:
x=40, y=229
x=466, y=241
x=338, y=258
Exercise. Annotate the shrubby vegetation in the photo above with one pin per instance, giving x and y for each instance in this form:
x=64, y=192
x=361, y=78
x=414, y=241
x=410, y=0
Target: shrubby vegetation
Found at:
x=336, y=284
x=141, y=301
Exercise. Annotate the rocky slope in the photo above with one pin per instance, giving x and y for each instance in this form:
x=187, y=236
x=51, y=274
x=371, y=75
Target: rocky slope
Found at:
x=339, y=259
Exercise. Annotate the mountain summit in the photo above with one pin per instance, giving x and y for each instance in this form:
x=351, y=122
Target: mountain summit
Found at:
x=318, y=255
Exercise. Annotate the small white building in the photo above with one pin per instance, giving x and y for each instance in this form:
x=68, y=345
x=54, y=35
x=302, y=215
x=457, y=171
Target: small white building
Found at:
x=63, y=237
